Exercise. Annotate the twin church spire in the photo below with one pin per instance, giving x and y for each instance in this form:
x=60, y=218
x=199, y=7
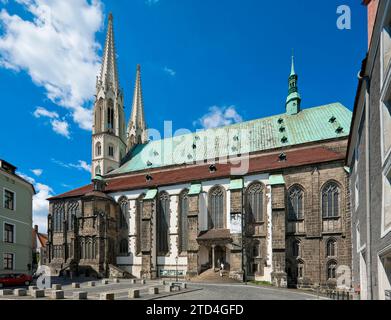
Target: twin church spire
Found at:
x=293, y=100
x=111, y=140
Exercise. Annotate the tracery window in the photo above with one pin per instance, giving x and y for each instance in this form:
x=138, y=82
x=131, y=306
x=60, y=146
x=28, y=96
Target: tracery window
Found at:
x=296, y=203
x=163, y=222
x=124, y=207
x=330, y=200
x=183, y=214
x=331, y=248
x=216, y=208
x=331, y=269
x=255, y=200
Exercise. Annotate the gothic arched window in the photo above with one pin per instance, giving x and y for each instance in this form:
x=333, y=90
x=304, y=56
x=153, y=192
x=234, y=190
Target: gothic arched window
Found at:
x=296, y=203
x=183, y=216
x=97, y=170
x=124, y=207
x=331, y=269
x=72, y=211
x=330, y=200
x=98, y=116
x=163, y=223
x=94, y=248
x=58, y=216
x=110, y=115
x=331, y=248
x=123, y=247
x=216, y=208
x=139, y=219
x=111, y=150
x=255, y=197
x=300, y=269
x=98, y=149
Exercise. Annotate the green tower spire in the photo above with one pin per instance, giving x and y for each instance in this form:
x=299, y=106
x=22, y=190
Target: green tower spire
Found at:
x=293, y=100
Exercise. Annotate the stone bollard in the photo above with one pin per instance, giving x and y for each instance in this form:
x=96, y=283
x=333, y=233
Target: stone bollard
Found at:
x=91, y=284
x=133, y=281
x=76, y=285
x=57, y=295
x=116, y=280
x=80, y=295
x=6, y=292
x=38, y=293
x=105, y=281
x=33, y=288
x=134, y=294
x=106, y=296
x=56, y=287
x=20, y=292
x=143, y=281
x=153, y=290
x=168, y=288
x=184, y=285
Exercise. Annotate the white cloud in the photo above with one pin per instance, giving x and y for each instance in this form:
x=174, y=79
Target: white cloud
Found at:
x=60, y=127
x=58, y=49
x=37, y=172
x=170, y=71
x=40, y=204
x=218, y=117
x=80, y=165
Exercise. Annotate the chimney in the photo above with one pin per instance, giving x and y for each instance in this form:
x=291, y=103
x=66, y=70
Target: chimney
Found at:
x=36, y=228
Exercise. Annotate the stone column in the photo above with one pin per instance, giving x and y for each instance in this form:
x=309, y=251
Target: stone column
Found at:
x=193, y=231
x=146, y=239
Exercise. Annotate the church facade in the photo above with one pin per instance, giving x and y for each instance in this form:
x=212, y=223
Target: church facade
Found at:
x=268, y=198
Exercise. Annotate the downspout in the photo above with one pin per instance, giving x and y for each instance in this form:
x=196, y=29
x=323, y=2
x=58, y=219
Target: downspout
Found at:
x=368, y=188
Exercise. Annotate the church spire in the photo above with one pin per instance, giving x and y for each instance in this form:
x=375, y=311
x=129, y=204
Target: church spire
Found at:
x=109, y=72
x=137, y=129
x=293, y=100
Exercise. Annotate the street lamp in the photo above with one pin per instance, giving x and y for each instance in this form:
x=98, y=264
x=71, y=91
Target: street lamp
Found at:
x=176, y=271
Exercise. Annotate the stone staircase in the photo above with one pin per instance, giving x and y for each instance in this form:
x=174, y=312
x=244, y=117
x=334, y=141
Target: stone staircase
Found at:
x=214, y=276
x=116, y=272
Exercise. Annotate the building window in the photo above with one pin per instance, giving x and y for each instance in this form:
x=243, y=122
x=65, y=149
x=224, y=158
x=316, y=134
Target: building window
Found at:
x=71, y=217
x=330, y=200
x=163, y=223
x=331, y=248
x=57, y=252
x=296, y=203
x=123, y=247
x=111, y=151
x=256, y=250
x=97, y=170
x=8, y=261
x=296, y=248
x=9, y=233
x=9, y=199
x=216, y=208
x=331, y=270
x=139, y=219
x=124, y=207
x=387, y=203
x=98, y=149
x=58, y=217
x=183, y=214
x=110, y=115
x=255, y=197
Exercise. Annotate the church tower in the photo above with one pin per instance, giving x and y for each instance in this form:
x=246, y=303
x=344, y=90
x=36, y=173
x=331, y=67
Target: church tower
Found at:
x=109, y=137
x=293, y=100
x=137, y=129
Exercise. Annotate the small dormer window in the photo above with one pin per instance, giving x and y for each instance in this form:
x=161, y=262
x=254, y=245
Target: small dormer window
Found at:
x=282, y=157
x=282, y=129
x=236, y=138
x=212, y=168
x=189, y=156
x=284, y=139
x=194, y=146
x=339, y=130
x=280, y=121
x=155, y=153
x=149, y=163
x=148, y=177
x=332, y=119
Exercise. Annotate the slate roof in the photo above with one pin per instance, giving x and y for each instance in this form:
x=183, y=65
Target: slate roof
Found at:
x=309, y=125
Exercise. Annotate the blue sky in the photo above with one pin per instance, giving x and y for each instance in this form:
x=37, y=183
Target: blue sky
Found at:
x=204, y=62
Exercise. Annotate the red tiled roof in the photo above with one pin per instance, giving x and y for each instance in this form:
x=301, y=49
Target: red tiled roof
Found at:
x=42, y=238
x=185, y=174
x=215, y=234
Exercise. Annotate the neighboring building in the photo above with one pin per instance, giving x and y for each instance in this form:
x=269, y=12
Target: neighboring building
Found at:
x=39, y=248
x=370, y=161
x=175, y=203
x=16, y=196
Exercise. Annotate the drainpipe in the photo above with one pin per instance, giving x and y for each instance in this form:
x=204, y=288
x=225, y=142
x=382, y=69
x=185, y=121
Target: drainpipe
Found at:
x=368, y=187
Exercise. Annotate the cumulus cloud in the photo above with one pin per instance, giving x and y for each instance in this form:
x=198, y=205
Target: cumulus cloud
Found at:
x=58, y=49
x=60, y=127
x=218, y=117
x=170, y=71
x=40, y=204
x=37, y=172
x=80, y=165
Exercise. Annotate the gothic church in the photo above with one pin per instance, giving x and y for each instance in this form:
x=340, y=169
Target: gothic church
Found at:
x=268, y=198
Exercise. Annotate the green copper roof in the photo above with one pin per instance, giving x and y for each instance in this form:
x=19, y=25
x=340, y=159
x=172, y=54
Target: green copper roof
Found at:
x=276, y=179
x=309, y=125
x=151, y=194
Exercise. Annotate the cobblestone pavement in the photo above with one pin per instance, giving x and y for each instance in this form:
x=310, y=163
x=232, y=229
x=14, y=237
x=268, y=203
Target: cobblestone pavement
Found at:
x=194, y=291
